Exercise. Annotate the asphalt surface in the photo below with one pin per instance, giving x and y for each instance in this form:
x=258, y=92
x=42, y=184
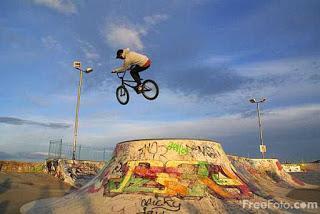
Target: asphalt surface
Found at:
x=17, y=189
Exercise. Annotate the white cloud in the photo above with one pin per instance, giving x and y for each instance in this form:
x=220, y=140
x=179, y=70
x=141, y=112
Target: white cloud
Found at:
x=106, y=127
x=218, y=59
x=26, y=138
x=282, y=81
x=285, y=81
x=63, y=6
x=124, y=36
x=89, y=51
x=123, y=33
x=155, y=19
x=50, y=43
x=281, y=120
x=281, y=66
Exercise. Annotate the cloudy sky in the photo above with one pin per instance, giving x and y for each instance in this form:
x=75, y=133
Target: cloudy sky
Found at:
x=209, y=58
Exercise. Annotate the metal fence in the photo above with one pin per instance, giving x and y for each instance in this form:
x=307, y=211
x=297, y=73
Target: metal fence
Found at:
x=59, y=149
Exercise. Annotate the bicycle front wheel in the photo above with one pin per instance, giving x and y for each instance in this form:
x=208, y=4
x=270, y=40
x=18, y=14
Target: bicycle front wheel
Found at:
x=150, y=89
x=122, y=95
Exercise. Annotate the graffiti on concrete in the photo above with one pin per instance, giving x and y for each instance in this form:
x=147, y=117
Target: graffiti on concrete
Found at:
x=155, y=151
x=292, y=168
x=152, y=150
x=21, y=166
x=180, y=149
x=176, y=178
x=76, y=173
x=119, y=167
x=159, y=205
x=206, y=151
x=266, y=169
x=279, y=166
x=193, y=150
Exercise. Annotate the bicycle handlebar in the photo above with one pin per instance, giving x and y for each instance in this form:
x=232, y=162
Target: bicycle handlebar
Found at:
x=119, y=76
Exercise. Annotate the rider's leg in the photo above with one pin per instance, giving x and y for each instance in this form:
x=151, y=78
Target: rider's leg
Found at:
x=135, y=73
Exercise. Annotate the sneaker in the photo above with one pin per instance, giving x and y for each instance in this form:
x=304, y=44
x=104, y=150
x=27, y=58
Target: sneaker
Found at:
x=140, y=87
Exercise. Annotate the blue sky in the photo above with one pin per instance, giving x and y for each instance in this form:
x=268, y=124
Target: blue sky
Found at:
x=209, y=58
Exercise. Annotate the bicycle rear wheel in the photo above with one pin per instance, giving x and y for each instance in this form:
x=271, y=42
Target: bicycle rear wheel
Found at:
x=150, y=89
x=122, y=95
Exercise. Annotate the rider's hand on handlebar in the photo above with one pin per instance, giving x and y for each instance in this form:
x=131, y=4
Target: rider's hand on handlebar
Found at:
x=113, y=71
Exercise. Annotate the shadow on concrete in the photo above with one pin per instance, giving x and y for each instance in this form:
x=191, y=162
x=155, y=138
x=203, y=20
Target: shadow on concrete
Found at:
x=47, y=192
x=4, y=187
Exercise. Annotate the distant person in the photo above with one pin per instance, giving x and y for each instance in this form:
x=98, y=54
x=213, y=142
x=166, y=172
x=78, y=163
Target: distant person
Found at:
x=135, y=62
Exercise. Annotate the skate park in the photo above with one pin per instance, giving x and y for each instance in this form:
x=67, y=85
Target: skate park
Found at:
x=173, y=106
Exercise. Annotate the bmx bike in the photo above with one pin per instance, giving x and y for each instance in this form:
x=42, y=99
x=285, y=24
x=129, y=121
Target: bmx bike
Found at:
x=150, y=89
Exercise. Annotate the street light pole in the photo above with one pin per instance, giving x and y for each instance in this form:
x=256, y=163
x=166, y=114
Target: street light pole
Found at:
x=260, y=129
x=263, y=147
x=77, y=65
x=76, y=122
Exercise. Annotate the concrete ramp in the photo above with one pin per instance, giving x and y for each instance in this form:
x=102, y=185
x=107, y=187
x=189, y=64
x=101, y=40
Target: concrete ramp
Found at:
x=266, y=177
x=73, y=172
x=162, y=176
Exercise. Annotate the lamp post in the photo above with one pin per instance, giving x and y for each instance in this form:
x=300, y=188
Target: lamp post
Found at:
x=77, y=65
x=263, y=148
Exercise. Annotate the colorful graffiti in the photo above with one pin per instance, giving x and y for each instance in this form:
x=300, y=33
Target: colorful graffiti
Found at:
x=176, y=178
x=156, y=151
x=261, y=171
x=180, y=149
x=279, y=166
x=206, y=151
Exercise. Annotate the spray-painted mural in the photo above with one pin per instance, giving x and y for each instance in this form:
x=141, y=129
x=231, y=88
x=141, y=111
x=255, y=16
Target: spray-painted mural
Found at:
x=171, y=169
x=175, y=178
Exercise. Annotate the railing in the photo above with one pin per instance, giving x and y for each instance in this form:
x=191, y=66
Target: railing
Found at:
x=59, y=149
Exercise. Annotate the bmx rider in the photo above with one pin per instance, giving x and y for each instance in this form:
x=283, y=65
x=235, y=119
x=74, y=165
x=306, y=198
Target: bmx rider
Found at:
x=134, y=61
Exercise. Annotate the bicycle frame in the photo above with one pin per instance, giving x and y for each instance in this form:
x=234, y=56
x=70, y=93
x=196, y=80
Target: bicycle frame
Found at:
x=147, y=86
x=125, y=81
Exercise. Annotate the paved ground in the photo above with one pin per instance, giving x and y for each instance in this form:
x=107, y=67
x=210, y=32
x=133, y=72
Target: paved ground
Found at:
x=308, y=177
x=307, y=194
x=17, y=189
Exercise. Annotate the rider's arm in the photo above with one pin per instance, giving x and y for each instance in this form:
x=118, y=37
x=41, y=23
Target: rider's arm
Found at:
x=126, y=65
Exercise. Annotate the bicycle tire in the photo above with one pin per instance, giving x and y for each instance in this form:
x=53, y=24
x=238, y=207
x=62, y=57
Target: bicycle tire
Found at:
x=120, y=92
x=152, y=85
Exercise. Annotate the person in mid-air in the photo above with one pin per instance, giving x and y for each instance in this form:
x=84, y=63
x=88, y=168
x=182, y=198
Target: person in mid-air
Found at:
x=134, y=61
